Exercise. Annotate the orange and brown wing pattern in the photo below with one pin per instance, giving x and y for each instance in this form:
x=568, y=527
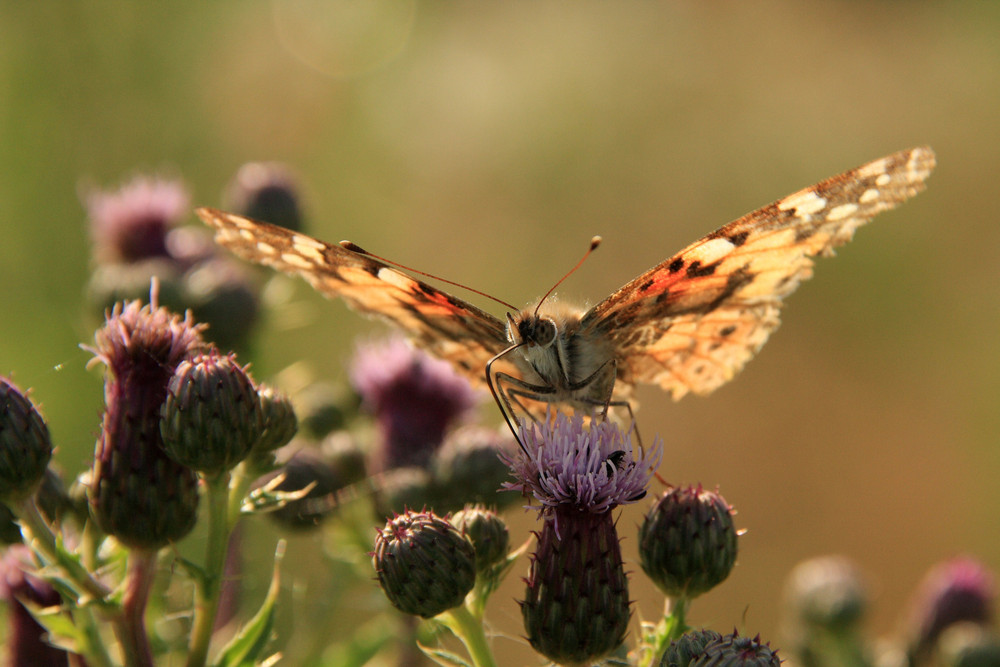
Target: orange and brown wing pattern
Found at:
x=692, y=322
x=442, y=324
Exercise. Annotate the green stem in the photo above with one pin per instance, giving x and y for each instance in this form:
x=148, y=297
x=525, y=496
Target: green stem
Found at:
x=132, y=630
x=40, y=536
x=209, y=587
x=469, y=629
x=672, y=626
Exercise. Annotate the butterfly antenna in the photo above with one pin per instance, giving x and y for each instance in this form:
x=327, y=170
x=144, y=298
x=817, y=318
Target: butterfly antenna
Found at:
x=354, y=247
x=594, y=242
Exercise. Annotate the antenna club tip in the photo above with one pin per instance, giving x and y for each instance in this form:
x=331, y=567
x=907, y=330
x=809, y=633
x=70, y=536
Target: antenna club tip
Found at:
x=353, y=247
x=594, y=242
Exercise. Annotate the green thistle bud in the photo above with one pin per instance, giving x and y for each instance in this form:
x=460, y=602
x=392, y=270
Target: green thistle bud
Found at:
x=137, y=493
x=402, y=488
x=736, y=651
x=424, y=565
x=468, y=469
x=687, y=542
x=688, y=648
x=280, y=423
x=576, y=606
x=211, y=416
x=301, y=470
x=488, y=534
x=826, y=592
x=969, y=645
x=25, y=447
x=266, y=191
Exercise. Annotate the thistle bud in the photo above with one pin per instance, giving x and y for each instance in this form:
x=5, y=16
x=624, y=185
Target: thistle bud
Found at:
x=687, y=542
x=424, y=565
x=468, y=469
x=736, y=651
x=826, y=592
x=488, y=534
x=576, y=607
x=266, y=191
x=211, y=416
x=25, y=447
x=301, y=470
x=280, y=423
x=138, y=493
x=688, y=647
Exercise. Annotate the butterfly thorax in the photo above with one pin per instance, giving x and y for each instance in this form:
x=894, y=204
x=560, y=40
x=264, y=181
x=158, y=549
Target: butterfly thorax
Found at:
x=555, y=352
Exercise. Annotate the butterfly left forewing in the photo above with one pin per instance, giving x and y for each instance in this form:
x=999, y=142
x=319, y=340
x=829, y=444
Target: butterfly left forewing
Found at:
x=445, y=325
x=692, y=322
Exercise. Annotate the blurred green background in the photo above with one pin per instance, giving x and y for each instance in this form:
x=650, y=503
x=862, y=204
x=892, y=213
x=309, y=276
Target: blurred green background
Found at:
x=488, y=142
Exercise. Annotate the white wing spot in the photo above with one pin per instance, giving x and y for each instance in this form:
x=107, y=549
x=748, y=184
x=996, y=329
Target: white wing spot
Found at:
x=266, y=248
x=868, y=196
x=883, y=180
x=301, y=242
x=395, y=278
x=307, y=250
x=842, y=211
x=806, y=202
x=714, y=249
x=296, y=260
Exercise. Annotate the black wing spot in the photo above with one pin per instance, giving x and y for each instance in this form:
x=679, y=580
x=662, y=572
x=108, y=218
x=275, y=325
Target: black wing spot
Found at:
x=676, y=265
x=739, y=238
x=646, y=285
x=727, y=331
x=696, y=270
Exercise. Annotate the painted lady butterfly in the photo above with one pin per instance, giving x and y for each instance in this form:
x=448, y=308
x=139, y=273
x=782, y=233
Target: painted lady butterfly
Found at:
x=688, y=324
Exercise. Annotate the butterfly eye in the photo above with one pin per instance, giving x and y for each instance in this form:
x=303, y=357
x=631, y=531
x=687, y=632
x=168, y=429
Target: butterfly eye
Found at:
x=545, y=331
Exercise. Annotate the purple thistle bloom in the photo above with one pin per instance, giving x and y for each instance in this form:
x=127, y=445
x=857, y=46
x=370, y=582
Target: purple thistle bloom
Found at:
x=590, y=468
x=955, y=591
x=131, y=223
x=414, y=397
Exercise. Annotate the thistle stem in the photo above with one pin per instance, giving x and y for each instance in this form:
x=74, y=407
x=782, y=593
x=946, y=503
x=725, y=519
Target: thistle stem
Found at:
x=132, y=631
x=209, y=586
x=469, y=630
x=40, y=536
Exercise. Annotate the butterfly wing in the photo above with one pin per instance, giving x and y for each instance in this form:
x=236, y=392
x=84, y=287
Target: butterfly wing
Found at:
x=693, y=321
x=436, y=321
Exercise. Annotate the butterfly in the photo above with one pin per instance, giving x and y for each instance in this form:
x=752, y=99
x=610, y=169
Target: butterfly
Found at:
x=688, y=324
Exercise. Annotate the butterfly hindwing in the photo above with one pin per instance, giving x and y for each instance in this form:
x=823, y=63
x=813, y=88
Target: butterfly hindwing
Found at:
x=445, y=325
x=693, y=321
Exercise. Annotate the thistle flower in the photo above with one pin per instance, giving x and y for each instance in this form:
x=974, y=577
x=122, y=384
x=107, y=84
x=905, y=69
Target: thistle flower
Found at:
x=414, y=398
x=424, y=564
x=25, y=446
x=131, y=223
x=138, y=493
x=266, y=191
x=576, y=607
x=212, y=414
x=955, y=591
x=687, y=542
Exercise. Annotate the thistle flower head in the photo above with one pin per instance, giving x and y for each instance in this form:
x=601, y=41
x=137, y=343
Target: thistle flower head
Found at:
x=138, y=494
x=687, y=541
x=590, y=468
x=424, y=564
x=212, y=414
x=25, y=446
x=131, y=223
x=414, y=397
x=734, y=650
x=955, y=591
